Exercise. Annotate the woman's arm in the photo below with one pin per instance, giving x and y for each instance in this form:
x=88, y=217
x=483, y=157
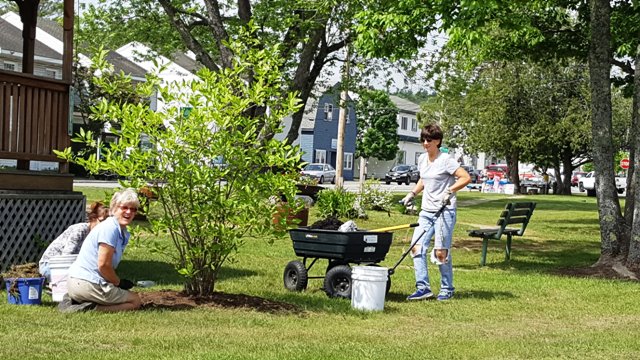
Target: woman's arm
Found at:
x=105, y=264
x=418, y=188
x=462, y=179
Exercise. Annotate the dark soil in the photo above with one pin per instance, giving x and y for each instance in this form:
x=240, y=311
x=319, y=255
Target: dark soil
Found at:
x=174, y=300
x=330, y=223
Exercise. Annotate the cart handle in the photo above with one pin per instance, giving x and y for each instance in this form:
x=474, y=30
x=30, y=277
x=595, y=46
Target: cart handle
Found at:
x=397, y=227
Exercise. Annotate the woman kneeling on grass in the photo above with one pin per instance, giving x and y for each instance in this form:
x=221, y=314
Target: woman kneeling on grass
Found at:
x=93, y=283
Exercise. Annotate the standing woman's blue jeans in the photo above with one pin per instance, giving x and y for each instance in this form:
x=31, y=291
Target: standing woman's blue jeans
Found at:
x=442, y=228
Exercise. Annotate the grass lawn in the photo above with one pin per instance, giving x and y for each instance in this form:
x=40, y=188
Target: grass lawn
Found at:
x=505, y=310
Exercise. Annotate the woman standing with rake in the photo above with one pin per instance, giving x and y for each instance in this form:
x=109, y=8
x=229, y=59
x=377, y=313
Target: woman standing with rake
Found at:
x=441, y=176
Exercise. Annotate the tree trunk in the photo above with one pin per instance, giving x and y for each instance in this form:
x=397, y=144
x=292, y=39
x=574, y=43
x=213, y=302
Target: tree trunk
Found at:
x=567, y=167
x=632, y=212
x=601, y=127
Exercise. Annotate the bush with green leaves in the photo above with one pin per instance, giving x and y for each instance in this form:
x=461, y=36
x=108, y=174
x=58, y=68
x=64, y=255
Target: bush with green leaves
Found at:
x=374, y=198
x=214, y=167
x=337, y=203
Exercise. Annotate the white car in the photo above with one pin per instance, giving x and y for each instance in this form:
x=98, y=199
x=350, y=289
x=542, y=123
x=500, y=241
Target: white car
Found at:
x=322, y=172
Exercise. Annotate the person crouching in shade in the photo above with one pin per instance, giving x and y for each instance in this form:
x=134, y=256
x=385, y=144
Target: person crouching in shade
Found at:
x=70, y=241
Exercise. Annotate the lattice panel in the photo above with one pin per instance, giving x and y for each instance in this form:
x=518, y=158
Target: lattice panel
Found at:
x=29, y=222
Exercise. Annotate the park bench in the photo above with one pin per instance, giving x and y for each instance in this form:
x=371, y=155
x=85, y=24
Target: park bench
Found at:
x=513, y=213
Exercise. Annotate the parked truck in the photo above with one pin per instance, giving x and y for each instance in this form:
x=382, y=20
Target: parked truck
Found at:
x=588, y=183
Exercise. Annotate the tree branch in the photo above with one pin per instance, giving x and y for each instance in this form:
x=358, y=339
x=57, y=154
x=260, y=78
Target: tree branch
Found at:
x=192, y=43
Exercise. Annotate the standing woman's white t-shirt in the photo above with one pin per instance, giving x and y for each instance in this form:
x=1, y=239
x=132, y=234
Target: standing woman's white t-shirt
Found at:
x=437, y=177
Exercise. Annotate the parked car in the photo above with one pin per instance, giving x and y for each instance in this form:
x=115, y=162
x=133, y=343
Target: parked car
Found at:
x=322, y=172
x=475, y=177
x=575, y=177
x=588, y=183
x=492, y=170
x=402, y=174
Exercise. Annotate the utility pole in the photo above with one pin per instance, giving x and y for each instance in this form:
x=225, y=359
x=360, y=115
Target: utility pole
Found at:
x=342, y=119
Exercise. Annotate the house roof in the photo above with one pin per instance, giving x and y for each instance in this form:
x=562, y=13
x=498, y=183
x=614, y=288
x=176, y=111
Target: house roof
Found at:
x=122, y=63
x=11, y=39
x=405, y=105
x=186, y=62
x=141, y=54
x=51, y=27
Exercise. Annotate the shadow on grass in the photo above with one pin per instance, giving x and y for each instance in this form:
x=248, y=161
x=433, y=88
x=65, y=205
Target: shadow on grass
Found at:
x=535, y=261
x=165, y=273
x=463, y=294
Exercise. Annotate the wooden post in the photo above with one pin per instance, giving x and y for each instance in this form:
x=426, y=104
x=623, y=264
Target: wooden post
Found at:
x=29, y=17
x=342, y=119
x=67, y=55
x=363, y=172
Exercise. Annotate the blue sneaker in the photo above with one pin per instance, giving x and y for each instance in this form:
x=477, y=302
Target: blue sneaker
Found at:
x=445, y=295
x=421, y=294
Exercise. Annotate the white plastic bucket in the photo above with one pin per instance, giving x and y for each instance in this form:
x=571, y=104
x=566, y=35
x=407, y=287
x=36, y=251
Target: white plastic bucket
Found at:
x=59, y=266
x=369, y=285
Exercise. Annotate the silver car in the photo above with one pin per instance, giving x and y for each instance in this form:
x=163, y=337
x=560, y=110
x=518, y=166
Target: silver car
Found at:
x=322, y=172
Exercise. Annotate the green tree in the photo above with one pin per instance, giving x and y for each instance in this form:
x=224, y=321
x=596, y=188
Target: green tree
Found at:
x=377, y=134
x=539, y=30
x=51, y=9
x=209, y=209
x=309, y=34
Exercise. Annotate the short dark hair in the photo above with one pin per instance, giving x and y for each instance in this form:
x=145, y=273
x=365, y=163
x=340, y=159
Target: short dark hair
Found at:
x=431, y=132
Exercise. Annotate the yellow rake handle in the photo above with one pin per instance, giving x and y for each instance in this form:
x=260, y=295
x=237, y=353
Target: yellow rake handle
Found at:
x=397, y=227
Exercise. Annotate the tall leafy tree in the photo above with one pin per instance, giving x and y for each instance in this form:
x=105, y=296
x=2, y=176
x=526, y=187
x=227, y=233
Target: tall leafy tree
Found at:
x=377, y=135
x=310, y=35
x=538, y=29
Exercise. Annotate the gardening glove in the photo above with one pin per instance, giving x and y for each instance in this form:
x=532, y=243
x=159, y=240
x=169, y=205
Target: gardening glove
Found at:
x=408, y=199
x=446, y=197
x=125, y=284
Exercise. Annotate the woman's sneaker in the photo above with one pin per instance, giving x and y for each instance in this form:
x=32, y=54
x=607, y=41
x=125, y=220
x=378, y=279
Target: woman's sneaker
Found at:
x=421, y=294
x=445, y=295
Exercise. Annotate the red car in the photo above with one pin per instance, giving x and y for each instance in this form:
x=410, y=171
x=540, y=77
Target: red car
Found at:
x=492, y=170
x=575, y=177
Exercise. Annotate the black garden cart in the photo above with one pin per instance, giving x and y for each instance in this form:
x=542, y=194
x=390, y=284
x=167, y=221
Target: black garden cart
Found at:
x=340, y=249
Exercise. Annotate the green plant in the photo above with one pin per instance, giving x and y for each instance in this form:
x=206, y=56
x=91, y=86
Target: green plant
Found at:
x=216, y=163
x=336, y=203
x=373, y=197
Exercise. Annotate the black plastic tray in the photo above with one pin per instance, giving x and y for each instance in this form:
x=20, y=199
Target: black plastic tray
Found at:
x=354, y=247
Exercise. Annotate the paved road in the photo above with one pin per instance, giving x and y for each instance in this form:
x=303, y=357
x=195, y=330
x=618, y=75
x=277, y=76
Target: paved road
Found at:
x=349, y=185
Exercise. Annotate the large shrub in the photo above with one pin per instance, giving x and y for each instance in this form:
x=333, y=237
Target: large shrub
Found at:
x=337, y=203
x=210, y=154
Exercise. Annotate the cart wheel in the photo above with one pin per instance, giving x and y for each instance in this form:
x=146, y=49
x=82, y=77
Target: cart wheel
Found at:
x=337, y=282
x=295, y=276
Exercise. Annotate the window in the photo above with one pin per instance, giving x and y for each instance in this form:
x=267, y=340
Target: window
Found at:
x=10, y=66
x=414, y=125
x=328, y=112
x=403, y=123
x=401, y=156
x=417, y=157
x=348, y=161
x=321, y=156
x=50, y=73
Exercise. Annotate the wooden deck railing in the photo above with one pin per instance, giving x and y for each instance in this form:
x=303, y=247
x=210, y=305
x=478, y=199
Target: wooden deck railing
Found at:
x=34, y=121
x=34, y=117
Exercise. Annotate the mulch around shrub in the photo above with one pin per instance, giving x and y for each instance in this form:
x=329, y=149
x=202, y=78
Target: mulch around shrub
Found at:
x=175, y=300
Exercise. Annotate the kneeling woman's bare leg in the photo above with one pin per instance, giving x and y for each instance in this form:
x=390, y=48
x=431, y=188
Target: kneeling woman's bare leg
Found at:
x=133, y=302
